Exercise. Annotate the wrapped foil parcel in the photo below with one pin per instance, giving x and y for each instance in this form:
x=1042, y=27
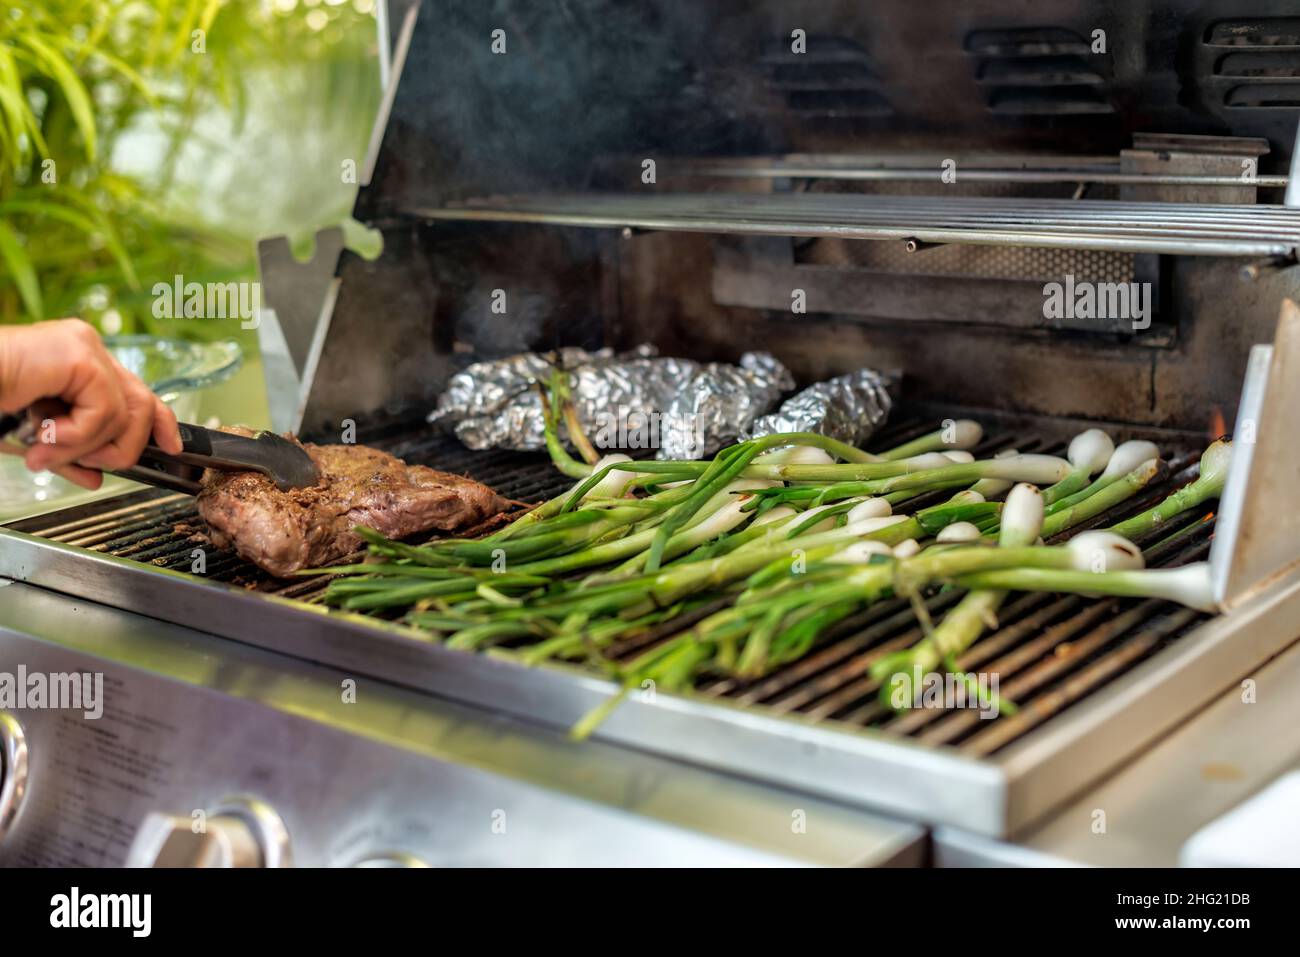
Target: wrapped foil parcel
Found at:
x=636, y=400
x=849, y=408
x=639, y=400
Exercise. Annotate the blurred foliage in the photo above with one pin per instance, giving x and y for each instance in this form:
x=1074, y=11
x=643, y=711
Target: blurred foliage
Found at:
x=142, y=140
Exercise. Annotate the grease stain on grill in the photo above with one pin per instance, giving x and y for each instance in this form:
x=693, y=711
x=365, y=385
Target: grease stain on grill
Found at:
x=1049, y=651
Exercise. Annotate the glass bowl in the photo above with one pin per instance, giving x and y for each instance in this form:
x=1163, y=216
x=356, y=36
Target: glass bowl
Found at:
x=175, y=369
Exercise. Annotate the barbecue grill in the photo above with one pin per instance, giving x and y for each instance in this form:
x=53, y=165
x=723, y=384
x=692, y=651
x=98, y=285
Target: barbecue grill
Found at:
x=671, y=174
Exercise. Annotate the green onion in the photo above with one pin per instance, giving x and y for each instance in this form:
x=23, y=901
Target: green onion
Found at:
x=1208, y=485
x=1089, y=452
x=1128, y=456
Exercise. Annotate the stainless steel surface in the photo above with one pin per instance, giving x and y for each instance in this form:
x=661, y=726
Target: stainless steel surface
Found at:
x=262, y=821
x=291, y=334
x=1230, y=158
x=1261, y=519
x=795, y=170
x=298, y=291
x=1223, y=755
x=13, y=771
x=1293, y=186
x=682, y=85
x=1172, y=228
x=1151, y=700
x=953, y=847
x=1083, y=672
x=391, y=859
x=962, y=286
x=386, y=774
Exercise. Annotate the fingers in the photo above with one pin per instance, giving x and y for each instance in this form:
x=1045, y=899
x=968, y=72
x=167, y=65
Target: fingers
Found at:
x=92, y=411
x=98, y=415
x=166, y=435
x=122, y=450
x=66, y=360
x=86, y=478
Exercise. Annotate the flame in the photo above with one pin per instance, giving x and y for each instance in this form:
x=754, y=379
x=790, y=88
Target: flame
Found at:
x=1218, y=427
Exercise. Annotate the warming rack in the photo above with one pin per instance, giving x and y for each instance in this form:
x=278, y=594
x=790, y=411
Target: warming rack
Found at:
x=784, y=169
x=1114, y=225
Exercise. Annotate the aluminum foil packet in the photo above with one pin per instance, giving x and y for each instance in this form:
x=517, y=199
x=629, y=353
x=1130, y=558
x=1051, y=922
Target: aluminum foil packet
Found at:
x=849, y=408
x=682, y=408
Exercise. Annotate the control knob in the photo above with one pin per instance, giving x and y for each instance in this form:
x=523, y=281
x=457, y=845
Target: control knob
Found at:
x=238, y=832
x=13, y=771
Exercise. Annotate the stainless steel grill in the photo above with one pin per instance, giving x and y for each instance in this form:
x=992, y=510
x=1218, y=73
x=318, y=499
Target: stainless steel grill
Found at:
x=964, y=325
x=1051, y=652
x=793, y=169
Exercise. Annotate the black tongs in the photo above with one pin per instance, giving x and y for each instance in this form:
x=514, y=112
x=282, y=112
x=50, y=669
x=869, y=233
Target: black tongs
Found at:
x=285, y=463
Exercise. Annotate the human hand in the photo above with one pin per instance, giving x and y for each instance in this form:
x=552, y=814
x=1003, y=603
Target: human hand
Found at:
x=101, y=416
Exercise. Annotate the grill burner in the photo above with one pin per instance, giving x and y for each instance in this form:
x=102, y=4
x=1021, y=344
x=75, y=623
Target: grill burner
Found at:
x=1049, y=651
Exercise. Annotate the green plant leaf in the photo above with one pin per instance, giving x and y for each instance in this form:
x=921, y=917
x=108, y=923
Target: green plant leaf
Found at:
x=74, y=91
x=112, y=241
x=24, y=274
x=182, y=38
x=162, y=16
x=117, y=64
x=13, y=103
x=94, y=224
x=210, y=11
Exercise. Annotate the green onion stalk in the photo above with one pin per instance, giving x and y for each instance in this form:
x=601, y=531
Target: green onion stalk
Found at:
x=951, y=514
x=959, y=434
x=598, y=565
x=1126, y=457
x=759, y=623
x=548, y=532
x=900, y=673
x=527, y=558
x=1208, y=485
x=1088, y=453
x=1110, y=495
x=884, y=478
x=1189, y=585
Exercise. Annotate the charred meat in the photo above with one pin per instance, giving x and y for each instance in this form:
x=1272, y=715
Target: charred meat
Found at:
x=283, y=532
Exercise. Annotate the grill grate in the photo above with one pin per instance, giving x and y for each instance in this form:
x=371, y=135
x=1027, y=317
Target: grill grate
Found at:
x=1049, y=651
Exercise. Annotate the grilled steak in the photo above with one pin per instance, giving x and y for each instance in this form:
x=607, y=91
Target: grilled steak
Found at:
x=282, y=532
